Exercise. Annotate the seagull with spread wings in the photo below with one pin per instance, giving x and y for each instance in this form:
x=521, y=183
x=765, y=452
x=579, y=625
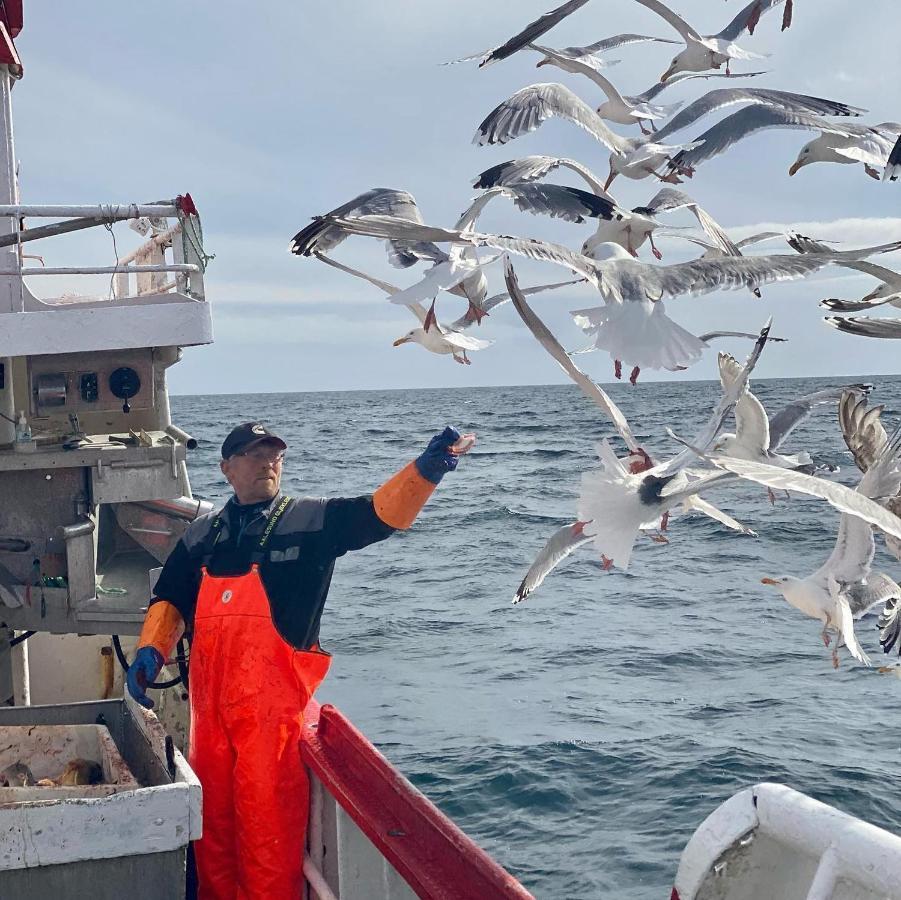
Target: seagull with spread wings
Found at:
x=441, y=338
x=871, y=145
x=866, y=438
x=632, y=325
x=570, y=537
x=844, y=588
x=641, y=157
x=628, y=228
x=757, y=437
x=711, y=51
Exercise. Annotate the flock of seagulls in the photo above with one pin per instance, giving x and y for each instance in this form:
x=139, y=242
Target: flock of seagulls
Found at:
x=630, y=493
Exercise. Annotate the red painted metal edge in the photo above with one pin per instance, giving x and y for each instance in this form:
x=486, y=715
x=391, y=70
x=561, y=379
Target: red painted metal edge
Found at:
x=11, y=16
x=433, y=855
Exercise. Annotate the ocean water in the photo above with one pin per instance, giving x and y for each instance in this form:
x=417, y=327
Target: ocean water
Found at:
x=581, y=736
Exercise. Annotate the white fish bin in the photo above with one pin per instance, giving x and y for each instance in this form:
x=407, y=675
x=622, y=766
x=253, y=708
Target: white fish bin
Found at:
x=125, y=836
x=770, y=842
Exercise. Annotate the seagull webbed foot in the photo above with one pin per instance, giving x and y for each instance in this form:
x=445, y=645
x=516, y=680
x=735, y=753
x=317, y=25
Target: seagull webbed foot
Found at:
x=617, y=369
x=634, y=376
x=871, y=172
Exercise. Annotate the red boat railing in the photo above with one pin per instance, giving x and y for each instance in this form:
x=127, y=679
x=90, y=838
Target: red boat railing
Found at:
x=428, y=850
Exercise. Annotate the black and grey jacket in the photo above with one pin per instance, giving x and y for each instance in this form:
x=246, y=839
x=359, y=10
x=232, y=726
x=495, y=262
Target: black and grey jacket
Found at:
x=296, y=567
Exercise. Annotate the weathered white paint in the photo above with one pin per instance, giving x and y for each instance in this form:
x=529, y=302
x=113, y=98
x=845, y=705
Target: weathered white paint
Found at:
x=10, y=288
x=151, y=728
x=66, y=668
x=147, y=820
x=178, y=321
x=772, y=838
x=716, y=834
x=363, y=873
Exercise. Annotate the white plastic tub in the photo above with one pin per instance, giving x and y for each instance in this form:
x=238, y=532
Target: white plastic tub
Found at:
x=46, y=749
x=125, y=839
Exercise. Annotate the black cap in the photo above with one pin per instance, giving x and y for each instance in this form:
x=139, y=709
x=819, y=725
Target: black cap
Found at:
x=243, y=436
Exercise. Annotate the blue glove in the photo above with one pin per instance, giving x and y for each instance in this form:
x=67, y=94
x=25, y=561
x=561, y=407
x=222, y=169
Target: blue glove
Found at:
x=143, y=671
x=436, y=460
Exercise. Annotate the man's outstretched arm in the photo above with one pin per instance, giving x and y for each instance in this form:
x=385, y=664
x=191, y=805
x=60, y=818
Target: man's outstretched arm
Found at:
x=353, y=523
x=398, y=501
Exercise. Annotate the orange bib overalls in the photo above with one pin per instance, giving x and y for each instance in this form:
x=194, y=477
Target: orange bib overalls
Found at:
x=248, y=690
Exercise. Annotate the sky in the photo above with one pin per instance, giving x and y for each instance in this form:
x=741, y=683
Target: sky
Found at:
x=272, y=114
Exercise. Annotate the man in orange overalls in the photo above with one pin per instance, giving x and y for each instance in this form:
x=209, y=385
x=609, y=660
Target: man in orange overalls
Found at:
x=250, y=581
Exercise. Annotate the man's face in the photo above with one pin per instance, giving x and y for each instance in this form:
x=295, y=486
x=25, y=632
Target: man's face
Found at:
x=256, y=472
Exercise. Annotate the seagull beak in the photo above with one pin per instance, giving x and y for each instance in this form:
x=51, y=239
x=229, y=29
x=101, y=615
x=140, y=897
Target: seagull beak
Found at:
x=399, y=341
x=667, y=74
x=795, y=166
x=771, y=581
x=609, y=180
x=873, y=295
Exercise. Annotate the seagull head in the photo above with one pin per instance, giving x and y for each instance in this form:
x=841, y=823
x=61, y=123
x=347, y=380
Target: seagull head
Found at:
x=413, y=336
x=723, y=444
x=805, y=158
x=673, y=68
x=606, y=251
x=884, y=290
x=694, y=58
x=795, y=590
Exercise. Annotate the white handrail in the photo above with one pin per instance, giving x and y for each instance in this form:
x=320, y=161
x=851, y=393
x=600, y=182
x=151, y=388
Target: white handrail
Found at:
x=101, y=270
x=317, y=880
x=120, y=210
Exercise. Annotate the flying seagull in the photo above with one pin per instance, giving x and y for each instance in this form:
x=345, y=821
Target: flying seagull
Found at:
x=710, y=51
x=632, y=325
x=736, y=127
x=641, y=157
x=568, y=538
x=756, y=436
x=844, y=588
x=866, y=438
x=871, y=145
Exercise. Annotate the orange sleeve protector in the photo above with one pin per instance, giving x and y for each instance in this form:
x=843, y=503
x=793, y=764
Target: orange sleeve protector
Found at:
x=398, y=501
x=163, y=626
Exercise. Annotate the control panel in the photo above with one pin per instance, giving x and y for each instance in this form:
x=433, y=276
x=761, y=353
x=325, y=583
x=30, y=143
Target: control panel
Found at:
x=111, y=382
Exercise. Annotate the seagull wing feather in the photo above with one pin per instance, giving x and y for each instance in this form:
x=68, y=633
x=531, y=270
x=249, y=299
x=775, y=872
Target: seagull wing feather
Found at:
x=547, y=340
